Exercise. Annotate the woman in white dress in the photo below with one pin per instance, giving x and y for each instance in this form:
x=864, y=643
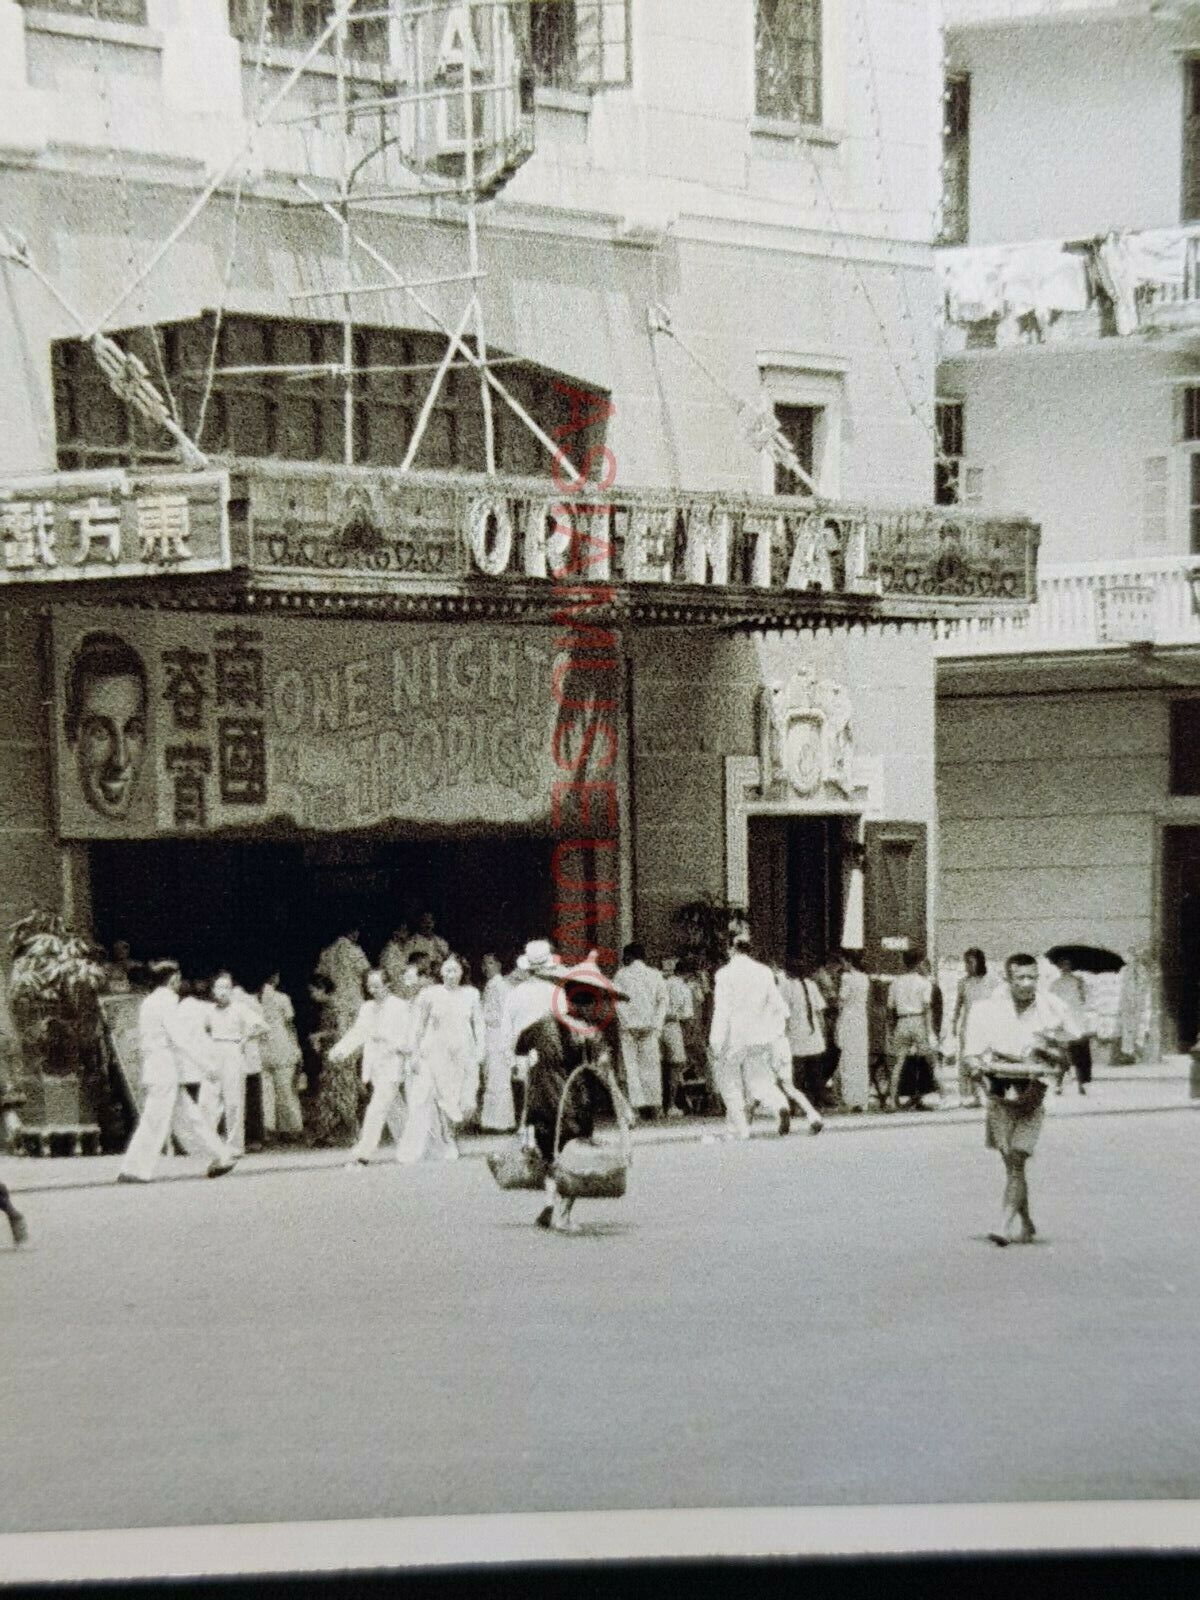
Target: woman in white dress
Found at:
x=852, y=1036
x=281, y=1060
x=443, y=1089
x=499, y=1113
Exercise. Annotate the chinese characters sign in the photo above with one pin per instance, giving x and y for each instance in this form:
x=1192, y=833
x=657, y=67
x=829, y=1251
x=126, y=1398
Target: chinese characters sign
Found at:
x=185, y=723
x=86, y=525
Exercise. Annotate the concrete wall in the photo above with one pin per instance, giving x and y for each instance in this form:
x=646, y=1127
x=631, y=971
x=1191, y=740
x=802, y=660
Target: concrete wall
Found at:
x=694, y=699
x=1065, y=435
x=678, y=138
x=780, y=253
x=1076, y=127
x=31, y=867
x=576, y=304
x=1049, y=810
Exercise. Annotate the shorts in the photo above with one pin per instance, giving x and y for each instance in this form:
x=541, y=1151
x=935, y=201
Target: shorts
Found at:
x=910, y=1037
x=1012, y=1126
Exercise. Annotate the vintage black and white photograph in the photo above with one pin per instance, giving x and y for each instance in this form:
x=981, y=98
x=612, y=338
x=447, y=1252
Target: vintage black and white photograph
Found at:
x=599, y=779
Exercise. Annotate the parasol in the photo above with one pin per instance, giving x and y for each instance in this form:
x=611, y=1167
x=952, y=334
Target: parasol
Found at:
x=1086, y=957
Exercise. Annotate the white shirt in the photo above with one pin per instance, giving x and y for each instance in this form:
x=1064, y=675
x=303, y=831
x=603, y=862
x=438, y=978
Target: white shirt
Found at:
x=195, y=1016
x=681, y=1006
x=167, y=1051
x=748, y=1009
x=805, y=1038
x=530, y=1001
x=646, y=1008
x=383, y=1031
x=995, y=1027
x=910, y=995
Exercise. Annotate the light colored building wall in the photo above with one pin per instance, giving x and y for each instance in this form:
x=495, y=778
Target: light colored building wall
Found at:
x=694, y=703
x=1075, y=128
x=804, y=256
x=578, y=305
x=1066, y=435
x=1049, y=808
x=652, y=150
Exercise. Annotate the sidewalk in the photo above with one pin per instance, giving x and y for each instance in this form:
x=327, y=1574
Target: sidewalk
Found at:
x=1115, y=1091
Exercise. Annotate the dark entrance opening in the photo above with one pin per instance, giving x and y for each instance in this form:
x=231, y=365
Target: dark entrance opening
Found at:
x=795, y=885
x=253, y=906
x=1181, y=937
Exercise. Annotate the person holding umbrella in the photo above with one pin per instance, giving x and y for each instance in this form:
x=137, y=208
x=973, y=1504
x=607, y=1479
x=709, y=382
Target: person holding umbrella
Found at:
x=1072, y=960
x=553, y=1047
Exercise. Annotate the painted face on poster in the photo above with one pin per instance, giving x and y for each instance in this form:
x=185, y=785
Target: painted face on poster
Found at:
x=105, y=698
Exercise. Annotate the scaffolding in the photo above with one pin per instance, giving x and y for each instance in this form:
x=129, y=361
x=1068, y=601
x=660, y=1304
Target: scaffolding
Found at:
x=449, y=120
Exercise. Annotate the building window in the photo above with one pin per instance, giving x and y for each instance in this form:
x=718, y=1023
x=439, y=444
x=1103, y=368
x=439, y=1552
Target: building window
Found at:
x=787, y=60
x=798, y=424
x=956, y=103
x=257, y=412
x=1185, y=746
x=131, y=12
x=295, y=24
x=576, y=44
x=948, y=469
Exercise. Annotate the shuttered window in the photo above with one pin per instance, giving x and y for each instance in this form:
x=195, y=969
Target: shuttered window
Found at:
x=956, y=158
x=1190, y=199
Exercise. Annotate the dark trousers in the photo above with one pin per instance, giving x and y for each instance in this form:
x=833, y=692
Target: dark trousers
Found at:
x=6, y=1205
x=255, y=1123
x=811, y=1074
x=1079, y=1052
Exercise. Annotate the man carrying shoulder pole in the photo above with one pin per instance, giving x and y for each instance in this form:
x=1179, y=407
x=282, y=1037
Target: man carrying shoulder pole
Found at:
x=1016, y=1044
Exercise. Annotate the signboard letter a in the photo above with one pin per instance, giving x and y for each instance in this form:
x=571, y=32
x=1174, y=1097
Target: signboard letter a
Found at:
x=457, y=39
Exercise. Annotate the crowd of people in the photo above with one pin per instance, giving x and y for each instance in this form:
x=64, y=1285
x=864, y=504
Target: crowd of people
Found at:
x=411, y=1046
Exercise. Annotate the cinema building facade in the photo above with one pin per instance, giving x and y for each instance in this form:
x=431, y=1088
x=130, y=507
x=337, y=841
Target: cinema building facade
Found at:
x=345, y=694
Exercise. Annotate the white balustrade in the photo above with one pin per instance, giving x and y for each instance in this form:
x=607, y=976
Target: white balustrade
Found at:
x=1108, y=605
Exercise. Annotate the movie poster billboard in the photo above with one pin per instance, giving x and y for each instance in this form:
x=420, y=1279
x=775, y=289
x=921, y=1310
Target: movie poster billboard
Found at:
x=190, y=724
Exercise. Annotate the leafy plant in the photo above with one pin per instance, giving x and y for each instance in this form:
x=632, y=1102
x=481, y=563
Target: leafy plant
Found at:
x=53, y=984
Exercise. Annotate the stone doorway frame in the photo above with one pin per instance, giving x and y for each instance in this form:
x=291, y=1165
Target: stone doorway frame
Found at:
x=744, y=799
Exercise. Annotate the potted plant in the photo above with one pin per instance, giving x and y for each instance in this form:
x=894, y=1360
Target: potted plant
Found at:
x=53, y=987
x=706, y=926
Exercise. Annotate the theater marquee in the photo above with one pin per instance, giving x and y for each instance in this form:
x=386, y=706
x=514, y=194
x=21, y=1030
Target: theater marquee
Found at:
x=77, y=526
x=187, y=723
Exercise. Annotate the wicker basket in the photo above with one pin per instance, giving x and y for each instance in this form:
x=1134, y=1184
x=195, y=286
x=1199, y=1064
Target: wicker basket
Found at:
x=584, y=1170
x=519, y=1167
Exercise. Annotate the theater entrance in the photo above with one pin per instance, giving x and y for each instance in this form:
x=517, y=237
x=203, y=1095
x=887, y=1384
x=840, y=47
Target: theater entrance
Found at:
x=795, y=886
x=253, y=906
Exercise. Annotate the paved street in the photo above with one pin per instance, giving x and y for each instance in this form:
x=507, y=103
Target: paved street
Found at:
x=800, y=1321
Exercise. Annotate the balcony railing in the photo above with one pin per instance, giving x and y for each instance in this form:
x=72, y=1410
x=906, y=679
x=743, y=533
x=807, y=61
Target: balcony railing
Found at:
x=987, y=13
x=1056, y=291
x=1094, y=606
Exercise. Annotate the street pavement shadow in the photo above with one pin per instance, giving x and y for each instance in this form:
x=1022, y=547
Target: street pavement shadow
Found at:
x=585, y=1230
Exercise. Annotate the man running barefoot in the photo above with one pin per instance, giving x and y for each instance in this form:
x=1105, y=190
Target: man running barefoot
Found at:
x=1015, y=1042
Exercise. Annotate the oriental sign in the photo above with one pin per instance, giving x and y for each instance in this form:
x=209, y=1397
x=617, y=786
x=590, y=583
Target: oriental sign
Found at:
x=67, y=527
x=188, y=723
x=462, y=530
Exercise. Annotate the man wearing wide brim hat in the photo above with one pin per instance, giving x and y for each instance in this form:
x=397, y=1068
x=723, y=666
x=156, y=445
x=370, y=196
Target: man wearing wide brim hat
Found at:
x=531, y=997
x=569, y=1036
